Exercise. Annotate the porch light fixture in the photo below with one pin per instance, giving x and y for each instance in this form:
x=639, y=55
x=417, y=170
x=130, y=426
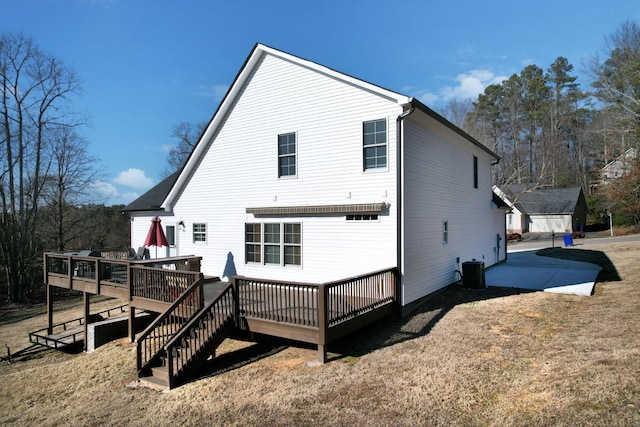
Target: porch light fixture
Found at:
x=181, y=224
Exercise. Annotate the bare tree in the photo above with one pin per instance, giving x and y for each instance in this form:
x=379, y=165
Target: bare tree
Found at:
x=68, y=183
x=617, y=79
x=35, y=90
x=456, y=111
x=187, y=134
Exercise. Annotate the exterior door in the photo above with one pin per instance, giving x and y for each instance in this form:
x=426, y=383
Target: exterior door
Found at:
x=172, y=250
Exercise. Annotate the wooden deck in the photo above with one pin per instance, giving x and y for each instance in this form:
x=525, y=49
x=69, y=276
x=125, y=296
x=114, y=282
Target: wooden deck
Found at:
x=196, y=317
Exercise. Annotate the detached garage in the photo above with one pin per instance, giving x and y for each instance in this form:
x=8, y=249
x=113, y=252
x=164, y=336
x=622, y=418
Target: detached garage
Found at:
x=559, y=210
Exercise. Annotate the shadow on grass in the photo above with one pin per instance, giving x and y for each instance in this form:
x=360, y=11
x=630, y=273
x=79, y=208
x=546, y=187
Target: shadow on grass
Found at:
x=236, y=359
x=419, y=322
x=383, y=333
x=608, y=272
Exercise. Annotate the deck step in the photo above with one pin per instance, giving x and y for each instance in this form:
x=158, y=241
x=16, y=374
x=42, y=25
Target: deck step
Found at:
x=154, y=383
x=161, y=373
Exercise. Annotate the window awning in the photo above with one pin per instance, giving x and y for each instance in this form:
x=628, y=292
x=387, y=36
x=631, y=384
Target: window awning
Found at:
x=320, y=209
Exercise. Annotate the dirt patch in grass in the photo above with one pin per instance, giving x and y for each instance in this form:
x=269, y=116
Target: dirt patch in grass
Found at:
x=467, y=357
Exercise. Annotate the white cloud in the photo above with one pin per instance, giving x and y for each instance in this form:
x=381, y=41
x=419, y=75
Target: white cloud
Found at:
x=216, y=92
x=166, y=148
x=127, y=198
x=469, y=86
x=134, y=178
x=428, y=98
x=104, y=190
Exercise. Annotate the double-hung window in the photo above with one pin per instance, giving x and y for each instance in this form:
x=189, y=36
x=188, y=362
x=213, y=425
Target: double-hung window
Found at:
x=273, y=243
x=374, y=135
x=286, y=155
x=292, y=244
x=253, y=242
x=200, y=232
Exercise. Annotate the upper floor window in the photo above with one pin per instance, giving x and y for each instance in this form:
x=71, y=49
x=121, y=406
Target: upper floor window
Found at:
x=199, y=232
x=475, y=172
x=287, y=154
x=374, y=135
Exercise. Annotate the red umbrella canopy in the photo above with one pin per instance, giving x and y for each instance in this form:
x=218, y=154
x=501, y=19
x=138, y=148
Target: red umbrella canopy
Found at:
x=156, y=236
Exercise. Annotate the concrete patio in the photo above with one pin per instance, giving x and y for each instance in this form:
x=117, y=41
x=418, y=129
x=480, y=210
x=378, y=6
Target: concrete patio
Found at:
x=526, y=270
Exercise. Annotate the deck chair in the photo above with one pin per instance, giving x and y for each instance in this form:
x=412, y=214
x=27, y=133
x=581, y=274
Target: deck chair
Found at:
x=143, y=253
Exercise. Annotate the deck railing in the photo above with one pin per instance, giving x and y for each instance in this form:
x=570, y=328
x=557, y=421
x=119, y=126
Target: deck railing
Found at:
x=200, y=334
x=285, y=302
x=153, y=339
x=315, y=305
x=348, y=298
x=159, y=280
x=160, y=284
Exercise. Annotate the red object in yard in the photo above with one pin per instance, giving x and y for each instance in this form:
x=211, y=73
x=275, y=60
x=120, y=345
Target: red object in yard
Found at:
x=156, y=236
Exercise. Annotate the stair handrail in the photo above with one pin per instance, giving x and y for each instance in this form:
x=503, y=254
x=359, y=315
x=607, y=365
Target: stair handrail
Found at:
x=176, y=310
x=225, y=305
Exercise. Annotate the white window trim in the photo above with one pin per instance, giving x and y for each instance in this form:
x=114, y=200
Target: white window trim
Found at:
x=362, y=146
x=295, y=175
x=282, y=245
x=445, y=232
x=206, y=233
x=366, y=218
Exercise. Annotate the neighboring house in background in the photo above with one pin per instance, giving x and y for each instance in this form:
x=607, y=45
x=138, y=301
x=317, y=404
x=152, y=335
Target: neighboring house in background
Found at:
x=559, y=210
x=516, y=220
x=305, y=174
x=618, y=167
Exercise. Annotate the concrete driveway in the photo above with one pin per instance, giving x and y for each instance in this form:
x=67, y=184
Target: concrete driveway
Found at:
x=526, y=270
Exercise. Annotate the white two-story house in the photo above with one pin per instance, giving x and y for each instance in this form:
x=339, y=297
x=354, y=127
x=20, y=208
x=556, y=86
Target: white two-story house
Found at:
x=308, y=174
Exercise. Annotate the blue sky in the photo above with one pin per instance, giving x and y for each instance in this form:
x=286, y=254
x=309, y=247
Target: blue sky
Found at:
x=147, y=65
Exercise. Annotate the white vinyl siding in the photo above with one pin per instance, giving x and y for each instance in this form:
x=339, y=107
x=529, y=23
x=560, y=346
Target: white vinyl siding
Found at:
x=438, y=184
x=234, y=176
x=237, y=171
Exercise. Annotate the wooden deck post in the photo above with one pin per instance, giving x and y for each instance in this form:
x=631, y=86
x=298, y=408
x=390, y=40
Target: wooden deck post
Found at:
x=86, y=298
x=322, y=324
x=49, y=310
x=132, y=322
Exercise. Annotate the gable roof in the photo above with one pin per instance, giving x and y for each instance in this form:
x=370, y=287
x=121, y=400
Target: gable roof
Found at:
x=153, y=198
x=544, y=201
x=252, y=62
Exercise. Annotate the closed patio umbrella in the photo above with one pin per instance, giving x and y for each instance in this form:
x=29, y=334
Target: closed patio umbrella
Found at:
x=156, y=236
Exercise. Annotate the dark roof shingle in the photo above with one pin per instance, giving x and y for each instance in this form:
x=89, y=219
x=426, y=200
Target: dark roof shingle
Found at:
x=152, y=199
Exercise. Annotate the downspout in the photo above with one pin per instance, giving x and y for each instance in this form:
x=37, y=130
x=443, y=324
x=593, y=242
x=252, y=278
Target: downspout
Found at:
x=399, y=236
x=505, y=223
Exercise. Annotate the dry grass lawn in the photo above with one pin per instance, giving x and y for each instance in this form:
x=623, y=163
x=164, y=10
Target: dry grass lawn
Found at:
x=490, y=357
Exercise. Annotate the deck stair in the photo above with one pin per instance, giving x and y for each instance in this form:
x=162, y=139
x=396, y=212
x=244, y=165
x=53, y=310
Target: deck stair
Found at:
x=180, y=350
